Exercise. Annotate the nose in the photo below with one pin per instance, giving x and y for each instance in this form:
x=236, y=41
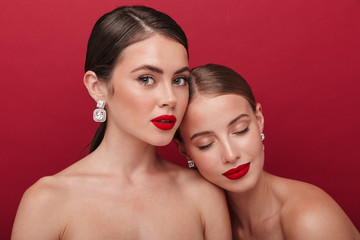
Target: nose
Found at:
x=167, y=97
x=230, y=153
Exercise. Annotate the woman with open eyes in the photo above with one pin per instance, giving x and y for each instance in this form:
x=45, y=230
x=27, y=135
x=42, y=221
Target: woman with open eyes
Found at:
x=137, y=71
x=222, y=133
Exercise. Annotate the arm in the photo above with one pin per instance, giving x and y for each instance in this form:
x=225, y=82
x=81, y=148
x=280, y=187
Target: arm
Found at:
x=37, y=216
x=215, y=213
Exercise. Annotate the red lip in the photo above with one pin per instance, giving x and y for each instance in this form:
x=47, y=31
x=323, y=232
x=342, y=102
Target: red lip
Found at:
x=238, y=172
x=164, y=122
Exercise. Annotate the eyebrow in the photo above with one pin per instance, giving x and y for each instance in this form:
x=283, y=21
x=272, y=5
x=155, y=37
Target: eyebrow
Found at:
x=237, y=119
x=158, y=70
x=199, y=134
x=231, y=123
x=184, y=69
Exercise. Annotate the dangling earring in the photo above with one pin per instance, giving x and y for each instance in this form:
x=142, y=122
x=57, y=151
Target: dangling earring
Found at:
x=191, y=163
x=100, y=113
x=262, y=139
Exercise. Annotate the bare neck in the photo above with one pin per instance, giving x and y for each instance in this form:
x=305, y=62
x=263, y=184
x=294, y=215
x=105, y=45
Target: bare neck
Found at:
x=123, y=153
x=248, y=209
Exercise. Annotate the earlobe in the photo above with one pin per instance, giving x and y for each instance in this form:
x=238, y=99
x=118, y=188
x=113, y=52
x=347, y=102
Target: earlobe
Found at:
x=96, y=88
x=259, y=117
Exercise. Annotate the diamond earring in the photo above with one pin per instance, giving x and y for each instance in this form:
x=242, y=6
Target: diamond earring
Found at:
x=99, y=114
x=191, y=163
x=262, y=136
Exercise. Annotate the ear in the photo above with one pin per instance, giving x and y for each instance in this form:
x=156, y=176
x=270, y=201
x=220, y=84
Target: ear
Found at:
x=259, y=117
x=182, y=149
x=96, y=88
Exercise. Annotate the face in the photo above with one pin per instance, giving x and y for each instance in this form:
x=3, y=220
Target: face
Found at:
x=222, y=135
x=149, y=91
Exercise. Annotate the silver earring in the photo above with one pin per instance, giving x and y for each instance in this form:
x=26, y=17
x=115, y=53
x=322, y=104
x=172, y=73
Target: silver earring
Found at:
x=262, y=136
x=99, y=114
x=191, y=163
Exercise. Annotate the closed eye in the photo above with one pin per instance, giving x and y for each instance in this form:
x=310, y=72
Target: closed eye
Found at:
x=205, y=146
x=241, y=132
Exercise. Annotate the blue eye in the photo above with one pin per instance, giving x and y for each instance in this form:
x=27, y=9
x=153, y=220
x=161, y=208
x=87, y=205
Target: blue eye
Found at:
x=146, y=80
x=181, y=81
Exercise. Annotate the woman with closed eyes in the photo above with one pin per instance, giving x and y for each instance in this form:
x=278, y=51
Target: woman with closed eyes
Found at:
x=222, y=133
x=137, y=71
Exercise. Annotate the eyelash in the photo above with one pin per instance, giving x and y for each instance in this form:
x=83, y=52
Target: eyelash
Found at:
x=241, y=132
x=186, y=80
x=235, y=133
x=205, y=146
x=144, y=80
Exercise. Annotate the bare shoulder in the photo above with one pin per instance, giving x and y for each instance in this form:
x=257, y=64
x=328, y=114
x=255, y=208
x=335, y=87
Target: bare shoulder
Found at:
x=211, y=202
x=44, y=206
x=308, y=212
x=40, y=208
x=198, y=187
x=45, y=189
x=52, y=189
x=208, y=200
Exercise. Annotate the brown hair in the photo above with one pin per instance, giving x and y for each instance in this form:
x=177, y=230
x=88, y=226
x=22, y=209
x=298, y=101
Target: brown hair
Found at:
x=218, y=80
x=115, y=31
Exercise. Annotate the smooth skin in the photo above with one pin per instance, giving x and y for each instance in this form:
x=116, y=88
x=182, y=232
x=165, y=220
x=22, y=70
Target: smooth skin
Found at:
x=124, y=190
x=221, y=132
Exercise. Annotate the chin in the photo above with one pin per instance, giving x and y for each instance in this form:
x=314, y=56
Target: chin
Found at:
x=161, y=141
x=238, y=189
x=162, y=144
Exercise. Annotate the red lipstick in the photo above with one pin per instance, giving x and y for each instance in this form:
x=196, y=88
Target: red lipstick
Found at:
x=238, y=172
x=164, y=122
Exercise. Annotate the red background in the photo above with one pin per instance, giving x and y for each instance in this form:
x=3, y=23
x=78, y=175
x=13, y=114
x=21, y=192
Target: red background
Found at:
x=302, y=59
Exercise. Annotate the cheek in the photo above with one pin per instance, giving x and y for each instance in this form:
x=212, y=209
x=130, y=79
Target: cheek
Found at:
x=252, y=143
x=252, y=146
x=181, y=110
x=182, y=97
x=205, y=161
x=136, y=101
x=209, y=167
x=182, y=103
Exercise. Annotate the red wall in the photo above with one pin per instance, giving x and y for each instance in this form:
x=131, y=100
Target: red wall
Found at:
x=302, y=59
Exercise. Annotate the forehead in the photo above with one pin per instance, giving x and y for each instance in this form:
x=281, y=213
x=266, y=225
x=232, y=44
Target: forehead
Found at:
x=156, y=50
x=206, y=112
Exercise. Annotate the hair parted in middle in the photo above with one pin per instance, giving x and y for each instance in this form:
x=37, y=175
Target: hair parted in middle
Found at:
x=115, y=31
